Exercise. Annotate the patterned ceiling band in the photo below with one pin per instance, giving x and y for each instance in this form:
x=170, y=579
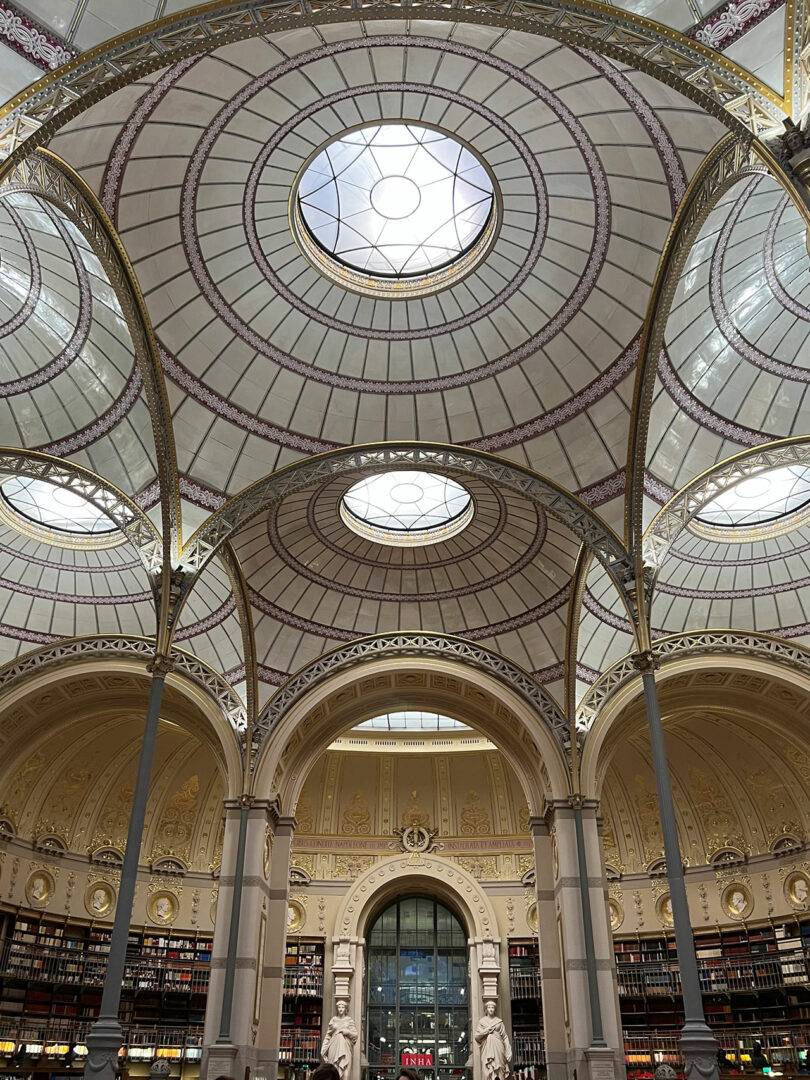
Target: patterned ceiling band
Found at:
x=721, y=87
x=84, y=311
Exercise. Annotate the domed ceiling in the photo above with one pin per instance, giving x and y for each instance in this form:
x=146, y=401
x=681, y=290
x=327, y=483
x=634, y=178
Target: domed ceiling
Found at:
x=226, y=354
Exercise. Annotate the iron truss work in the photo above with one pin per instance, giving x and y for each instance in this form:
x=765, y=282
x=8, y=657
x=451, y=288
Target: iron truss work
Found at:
x=447, y=460
x=122, y=511
x=718, y=85
x=730, y=160
x=45, y=175
x=673, y=518
x=74, y=650
x=693, y=643
x=420, y=645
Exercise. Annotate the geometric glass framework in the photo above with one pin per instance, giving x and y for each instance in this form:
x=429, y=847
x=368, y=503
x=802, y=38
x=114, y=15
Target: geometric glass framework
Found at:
x=760, y=499
x=396, y=201
x=417, y=1000
x=412, y=720
x=406, y=508
x=55, y=507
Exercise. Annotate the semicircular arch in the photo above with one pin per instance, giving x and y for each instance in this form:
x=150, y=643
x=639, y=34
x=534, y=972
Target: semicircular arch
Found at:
x=678, y=653
x=391, y=877
x=358, y=688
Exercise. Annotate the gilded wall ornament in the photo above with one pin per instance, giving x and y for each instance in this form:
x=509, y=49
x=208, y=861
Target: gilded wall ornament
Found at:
x=40, y=888
x=356, y=817
x=736, y=901
x=531, y=917
x=797, y=890
x=99, y=899
x=416, y=840
x=268, y=850
x=296, y=916
x=616, y=912
x=663, y=909
x=304, y=817
x=414, y=813
x=162, y=907
x=474, y=818
x=351, y=866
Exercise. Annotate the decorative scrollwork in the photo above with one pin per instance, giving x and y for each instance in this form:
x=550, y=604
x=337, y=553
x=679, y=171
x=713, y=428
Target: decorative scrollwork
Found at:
x=722, y=88
x=678, y=646
x=413, y=644
x=142, y=649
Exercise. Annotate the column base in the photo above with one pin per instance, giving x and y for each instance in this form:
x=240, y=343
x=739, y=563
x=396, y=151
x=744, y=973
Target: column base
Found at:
x=221, y=1061
x=602, y=1063
x=103, y=1043
x=699, y=1048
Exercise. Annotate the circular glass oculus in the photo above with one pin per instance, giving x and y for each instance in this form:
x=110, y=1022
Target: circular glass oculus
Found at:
x=395, y=209
x=406, y=508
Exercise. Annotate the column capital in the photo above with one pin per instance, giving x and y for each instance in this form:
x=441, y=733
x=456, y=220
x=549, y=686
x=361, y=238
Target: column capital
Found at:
x=646, y=661
x=284, y=824
x=160, y=665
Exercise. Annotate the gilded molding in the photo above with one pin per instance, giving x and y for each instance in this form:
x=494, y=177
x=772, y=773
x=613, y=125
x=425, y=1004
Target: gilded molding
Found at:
x=142, y=650
x=721, y=87
x=411, y=644
x=676, y=647
x=46, y=175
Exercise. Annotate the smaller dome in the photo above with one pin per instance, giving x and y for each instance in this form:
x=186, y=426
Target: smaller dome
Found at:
x=406, y=508
x=53, y=507
x=760, y=499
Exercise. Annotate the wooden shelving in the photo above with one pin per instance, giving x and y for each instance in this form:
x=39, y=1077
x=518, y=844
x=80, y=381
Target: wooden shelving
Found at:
x=302, y=1014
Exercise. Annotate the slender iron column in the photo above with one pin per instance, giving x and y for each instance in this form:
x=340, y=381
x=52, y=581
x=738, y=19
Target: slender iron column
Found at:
x=698, y=1043
x=597, y=1035
x=106, y=1036
x=233, y=931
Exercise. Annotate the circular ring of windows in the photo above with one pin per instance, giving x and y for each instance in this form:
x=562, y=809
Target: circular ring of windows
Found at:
x=395, y=209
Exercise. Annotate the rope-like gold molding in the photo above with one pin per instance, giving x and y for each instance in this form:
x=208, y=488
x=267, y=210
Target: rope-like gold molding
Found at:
x=720, y=86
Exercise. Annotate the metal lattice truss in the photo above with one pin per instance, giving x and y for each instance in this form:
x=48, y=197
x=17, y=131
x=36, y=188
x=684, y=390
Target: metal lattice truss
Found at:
x=676, y=515
x=447, y=460
x=46, y=175
x=718, y=85
x=730, y=160
x=76, y=650
x=122, y=511
x=694, y=643
x=420, y=645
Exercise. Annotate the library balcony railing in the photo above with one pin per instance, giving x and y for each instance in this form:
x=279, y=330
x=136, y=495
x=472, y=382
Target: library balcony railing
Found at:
x=718, y=975
x=528, y=1049
x=647, y=1049
x=299, y=1046
x=29, y=1041
x=524, y=983
x=78, y=968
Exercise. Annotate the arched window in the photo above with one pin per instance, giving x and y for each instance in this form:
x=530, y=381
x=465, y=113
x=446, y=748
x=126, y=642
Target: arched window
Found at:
x=417, y=998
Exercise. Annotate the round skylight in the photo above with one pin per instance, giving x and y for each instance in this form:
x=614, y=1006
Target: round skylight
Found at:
x=55, y=508
x=759, y=500
x=406, y=508
x=412, y=720
x=398, y=206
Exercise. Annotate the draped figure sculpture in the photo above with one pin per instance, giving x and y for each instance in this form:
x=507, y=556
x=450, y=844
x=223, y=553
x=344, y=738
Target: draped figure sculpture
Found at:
x=338, y=1043
x=494, y=1045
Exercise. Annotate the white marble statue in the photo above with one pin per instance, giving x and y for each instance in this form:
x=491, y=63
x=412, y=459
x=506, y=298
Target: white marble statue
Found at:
x=338, y=1044
x=494, y=1045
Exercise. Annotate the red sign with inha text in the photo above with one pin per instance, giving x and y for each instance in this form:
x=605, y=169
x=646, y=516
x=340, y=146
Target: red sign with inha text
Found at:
x=417, y=1061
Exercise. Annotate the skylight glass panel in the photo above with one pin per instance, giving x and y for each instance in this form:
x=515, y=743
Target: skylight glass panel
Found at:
x=760, y=499
x=55, y=507
x=396, y=200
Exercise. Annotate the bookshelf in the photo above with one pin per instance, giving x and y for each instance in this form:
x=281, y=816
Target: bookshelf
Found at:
x=51, y=976
x=526, y=1008
x=302, y=1011
x=755, y=982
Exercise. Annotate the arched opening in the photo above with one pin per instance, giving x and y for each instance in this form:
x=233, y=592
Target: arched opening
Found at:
x=417, y=1006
